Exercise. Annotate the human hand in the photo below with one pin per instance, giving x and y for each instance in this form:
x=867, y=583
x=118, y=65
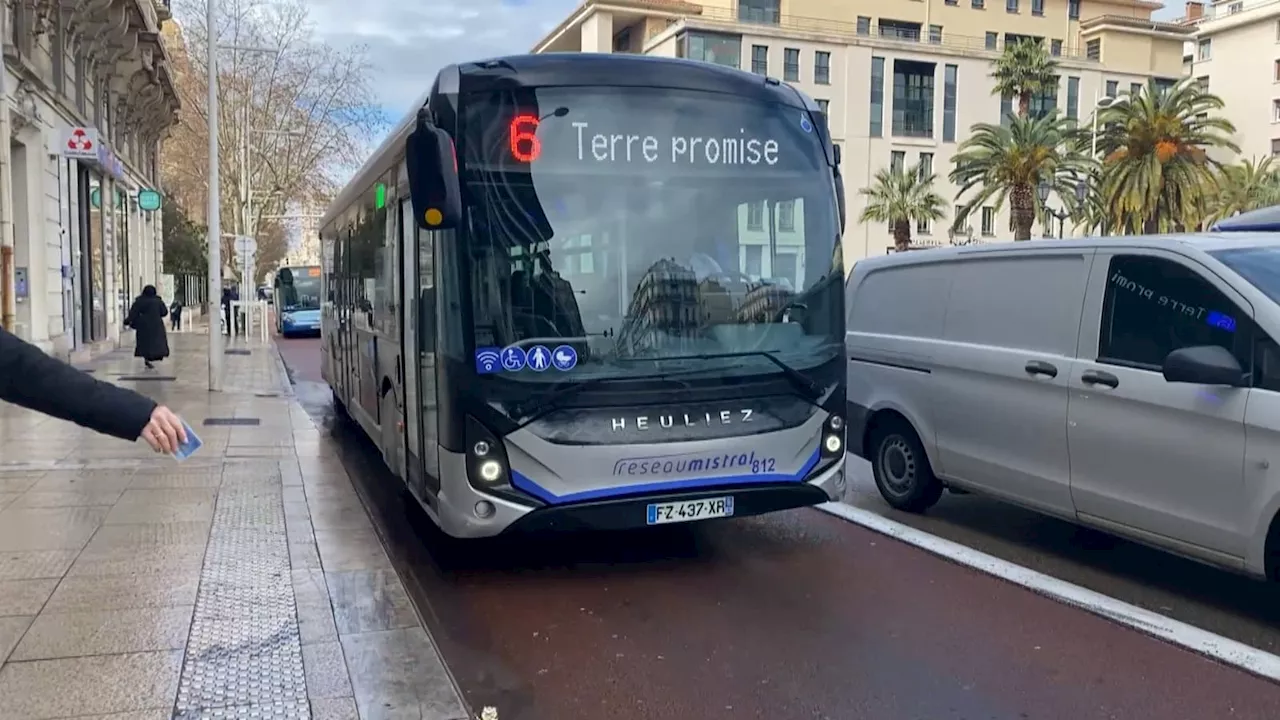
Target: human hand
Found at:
x=164, y=433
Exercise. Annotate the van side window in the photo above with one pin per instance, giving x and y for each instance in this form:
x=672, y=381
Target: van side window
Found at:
x=1153, y=307
x=1266, y=362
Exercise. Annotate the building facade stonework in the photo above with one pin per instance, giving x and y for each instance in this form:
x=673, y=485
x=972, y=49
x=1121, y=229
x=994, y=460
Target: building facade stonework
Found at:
x=90, y=98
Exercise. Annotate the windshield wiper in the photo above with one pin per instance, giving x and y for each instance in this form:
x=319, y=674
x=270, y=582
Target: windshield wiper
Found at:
x=564, y=390
x=811, y=389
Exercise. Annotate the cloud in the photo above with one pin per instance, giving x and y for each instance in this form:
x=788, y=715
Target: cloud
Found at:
x=408, y=43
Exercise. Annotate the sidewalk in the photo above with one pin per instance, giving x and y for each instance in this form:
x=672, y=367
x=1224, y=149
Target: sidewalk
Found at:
x=246, y=582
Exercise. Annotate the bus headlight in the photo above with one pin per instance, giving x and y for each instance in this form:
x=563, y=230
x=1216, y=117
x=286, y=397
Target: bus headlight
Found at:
x=490, y=471
x=287, y=317
x=832, y=444
x=486, y=459
x=833, y=436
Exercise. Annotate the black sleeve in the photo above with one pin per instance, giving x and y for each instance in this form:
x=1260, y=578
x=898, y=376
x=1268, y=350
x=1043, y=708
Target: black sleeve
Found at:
x=31, y=379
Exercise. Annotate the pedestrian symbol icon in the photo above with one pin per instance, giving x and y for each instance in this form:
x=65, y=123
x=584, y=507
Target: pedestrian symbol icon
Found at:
x=539, y=358
x=513, y=358
x=564, y=358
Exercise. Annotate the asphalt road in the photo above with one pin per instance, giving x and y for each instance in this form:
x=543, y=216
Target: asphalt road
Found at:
x=801, y=615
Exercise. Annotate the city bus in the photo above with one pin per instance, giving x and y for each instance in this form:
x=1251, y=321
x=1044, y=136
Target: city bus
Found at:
x=296, y=299
x=594, y=292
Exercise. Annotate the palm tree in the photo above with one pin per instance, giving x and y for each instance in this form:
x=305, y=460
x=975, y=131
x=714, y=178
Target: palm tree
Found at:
x=997, y=162
x=900, y=197
x=1023, y=70
x=1244, y=186
x=1157, y=172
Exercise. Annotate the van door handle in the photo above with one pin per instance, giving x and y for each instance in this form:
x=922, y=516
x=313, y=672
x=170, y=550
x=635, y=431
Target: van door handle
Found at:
x=1040, y=367
x=1098, y=377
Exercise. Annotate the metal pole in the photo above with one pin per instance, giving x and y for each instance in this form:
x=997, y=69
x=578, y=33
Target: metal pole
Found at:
x=215, y=205
x=8, y=299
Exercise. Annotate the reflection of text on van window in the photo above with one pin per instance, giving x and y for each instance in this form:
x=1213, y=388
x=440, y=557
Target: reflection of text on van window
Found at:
x=1163, y=301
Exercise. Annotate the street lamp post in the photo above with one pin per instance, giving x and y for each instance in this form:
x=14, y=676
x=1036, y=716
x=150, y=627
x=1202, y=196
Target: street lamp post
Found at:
x=215, y=206
x=1043, y=190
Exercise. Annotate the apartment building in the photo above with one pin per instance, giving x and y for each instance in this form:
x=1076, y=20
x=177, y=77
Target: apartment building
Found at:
x=901, y=82
x=89, y=98
x=1235, y=53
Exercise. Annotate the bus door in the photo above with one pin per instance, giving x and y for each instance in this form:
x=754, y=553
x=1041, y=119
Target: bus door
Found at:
x=410, y=345
x=347, y=299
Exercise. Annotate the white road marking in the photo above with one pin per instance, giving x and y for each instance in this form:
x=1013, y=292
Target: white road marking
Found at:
x=1178, y=633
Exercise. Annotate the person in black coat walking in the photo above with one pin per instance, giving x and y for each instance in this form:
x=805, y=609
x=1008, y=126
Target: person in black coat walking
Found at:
x=31, y=379
x=146, y=317
x=175, y=313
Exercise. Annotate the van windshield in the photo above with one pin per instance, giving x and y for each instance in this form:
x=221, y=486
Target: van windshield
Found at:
x=1258, y=265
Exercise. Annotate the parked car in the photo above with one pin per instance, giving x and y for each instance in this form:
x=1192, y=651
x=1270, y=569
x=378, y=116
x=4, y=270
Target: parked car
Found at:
x=1127, y=384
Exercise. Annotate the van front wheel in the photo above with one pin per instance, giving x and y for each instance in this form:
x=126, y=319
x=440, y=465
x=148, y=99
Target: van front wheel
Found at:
x=902, y=471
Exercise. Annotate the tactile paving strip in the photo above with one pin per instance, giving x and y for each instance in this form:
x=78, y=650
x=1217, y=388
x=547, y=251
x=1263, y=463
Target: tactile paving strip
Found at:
x=244, y=656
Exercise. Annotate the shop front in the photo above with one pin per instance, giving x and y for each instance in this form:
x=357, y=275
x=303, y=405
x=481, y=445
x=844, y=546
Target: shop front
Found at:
x=91, y=171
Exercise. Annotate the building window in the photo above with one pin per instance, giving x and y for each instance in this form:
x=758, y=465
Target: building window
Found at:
x=1006, y=110
x=1055, y=48
x=760, y=59
x=759, y=11
x=923, y=227
x=1045, y=103
x=1276, y=72
x=1093, y=50
x=753, y=262
x=1011, y=6
x=952, y=3
x=1073, y=9
x=755, y=215
x=709, y=47
x=1113, y=88
x=926, y=165
x=1073, y=98
x=1135, y=89
x=993, y=41
x=1275, y=111
x=787, y=215
x=1275, y=148
x=1204, y=50
x=823, y=105
x=1203, y=82
x=935, y=34
x=864, y=25
x=899, y=30
x=978, y=4
x=912, y=98
x=877, y=97
x=822, y=68
x=1162, y=85
x=949, y=73
x=622, y=41
x=1037, y=7
x=1235, y=7
x=897, y=160
x=988, y=221
x=791, y=65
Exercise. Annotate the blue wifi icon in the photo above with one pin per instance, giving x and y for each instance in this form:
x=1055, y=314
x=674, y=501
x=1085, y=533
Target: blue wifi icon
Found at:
x=488, y=360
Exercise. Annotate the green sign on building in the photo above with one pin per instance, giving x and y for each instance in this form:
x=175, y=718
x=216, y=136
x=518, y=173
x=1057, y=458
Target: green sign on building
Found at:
x=148, y=200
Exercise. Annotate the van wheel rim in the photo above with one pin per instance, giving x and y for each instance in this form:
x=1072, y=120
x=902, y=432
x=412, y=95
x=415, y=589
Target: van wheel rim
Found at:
x=897, y=465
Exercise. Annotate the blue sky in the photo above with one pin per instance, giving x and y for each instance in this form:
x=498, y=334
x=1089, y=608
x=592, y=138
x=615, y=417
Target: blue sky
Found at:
x=409, y=41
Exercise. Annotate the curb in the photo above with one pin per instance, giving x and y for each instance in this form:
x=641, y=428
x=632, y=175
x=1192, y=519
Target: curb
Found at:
x=282, y=370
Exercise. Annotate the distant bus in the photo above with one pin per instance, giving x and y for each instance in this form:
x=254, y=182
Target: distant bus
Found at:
x=296, y=296
x=594, y=291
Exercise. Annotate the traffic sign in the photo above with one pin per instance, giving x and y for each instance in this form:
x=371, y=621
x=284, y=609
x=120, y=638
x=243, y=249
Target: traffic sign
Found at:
x=246, y=245
x=148, y=199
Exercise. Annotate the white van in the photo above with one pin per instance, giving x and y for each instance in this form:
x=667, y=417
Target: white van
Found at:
x=1129, y=384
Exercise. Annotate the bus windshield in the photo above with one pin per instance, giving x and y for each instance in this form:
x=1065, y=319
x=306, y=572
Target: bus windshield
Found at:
x=649, y=230
x=304, y=293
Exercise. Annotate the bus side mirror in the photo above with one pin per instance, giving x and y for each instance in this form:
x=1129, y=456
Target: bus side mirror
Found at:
x=836, y=149
x=432, y=164
x=285, y=276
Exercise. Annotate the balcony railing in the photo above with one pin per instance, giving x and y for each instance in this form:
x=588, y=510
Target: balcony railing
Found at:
x=891, y=34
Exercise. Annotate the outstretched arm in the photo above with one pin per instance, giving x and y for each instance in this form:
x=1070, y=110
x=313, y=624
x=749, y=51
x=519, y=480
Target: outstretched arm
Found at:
x=31, y=379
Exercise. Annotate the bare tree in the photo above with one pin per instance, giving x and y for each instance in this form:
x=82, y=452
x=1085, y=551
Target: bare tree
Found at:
x=293, y=113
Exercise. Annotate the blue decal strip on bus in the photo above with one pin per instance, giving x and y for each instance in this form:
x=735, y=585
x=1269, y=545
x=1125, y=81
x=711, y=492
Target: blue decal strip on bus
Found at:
x=522, y=482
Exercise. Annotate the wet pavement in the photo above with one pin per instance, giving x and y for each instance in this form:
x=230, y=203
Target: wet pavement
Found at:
x=246, y=582
x=793, y=615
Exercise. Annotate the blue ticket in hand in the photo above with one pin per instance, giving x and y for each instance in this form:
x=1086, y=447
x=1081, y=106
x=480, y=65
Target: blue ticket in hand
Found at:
x=188, y=448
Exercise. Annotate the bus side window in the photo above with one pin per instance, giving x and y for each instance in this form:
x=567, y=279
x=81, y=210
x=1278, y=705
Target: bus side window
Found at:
x=427, y=320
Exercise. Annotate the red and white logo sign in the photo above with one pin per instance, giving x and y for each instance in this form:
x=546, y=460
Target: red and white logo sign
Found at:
x=81, y=142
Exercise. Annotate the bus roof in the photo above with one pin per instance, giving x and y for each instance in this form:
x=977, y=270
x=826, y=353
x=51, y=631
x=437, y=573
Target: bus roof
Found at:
x=568, y=69
x=1262, y=220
